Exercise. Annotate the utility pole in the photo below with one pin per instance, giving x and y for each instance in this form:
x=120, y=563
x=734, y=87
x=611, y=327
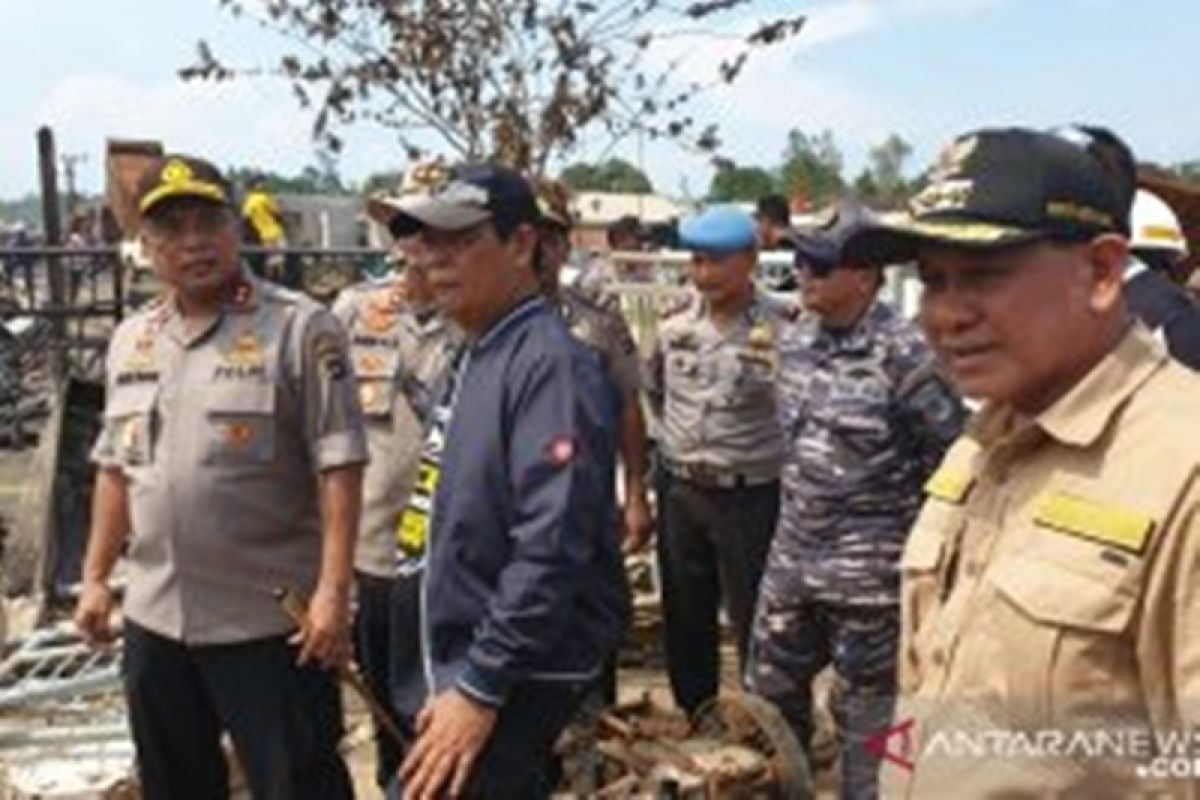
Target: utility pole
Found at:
x=52, y=224
x=70, y=161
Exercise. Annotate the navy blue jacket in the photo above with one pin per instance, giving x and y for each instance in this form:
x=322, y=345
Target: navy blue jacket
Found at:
x=524, y=579
x=1166, y=309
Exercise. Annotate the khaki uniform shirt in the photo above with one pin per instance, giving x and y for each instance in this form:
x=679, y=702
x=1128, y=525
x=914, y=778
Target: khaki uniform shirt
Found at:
x=399, y=359
x=220, y=434
x=1051, y=584
x=602, y=328
x=713, y=392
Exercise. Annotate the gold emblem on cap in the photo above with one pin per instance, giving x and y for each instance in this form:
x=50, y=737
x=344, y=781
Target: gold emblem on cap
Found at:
x=176, y=171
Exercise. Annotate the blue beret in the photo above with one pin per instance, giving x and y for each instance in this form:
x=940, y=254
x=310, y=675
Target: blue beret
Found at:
x=721, y=229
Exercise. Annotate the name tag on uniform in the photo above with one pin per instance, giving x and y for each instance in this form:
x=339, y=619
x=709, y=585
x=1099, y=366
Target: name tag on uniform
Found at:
x=1103, y=523
x=950, y=485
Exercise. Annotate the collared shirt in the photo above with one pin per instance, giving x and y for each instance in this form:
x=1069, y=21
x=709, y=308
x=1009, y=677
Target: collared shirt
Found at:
x=220, y=434
x=866, y=417
x=399, y=360
x=713, y=391
x=1052, y=583
x=601, y=326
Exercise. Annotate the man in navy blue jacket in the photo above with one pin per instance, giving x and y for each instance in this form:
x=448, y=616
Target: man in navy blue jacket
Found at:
x=524, y=591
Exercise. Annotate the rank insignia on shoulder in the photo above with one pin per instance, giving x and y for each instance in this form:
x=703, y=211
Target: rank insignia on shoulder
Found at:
x=670, y=305
x=949, y=485
x=761, y=336
x=1103, y=523
x=242, y=293
x=330, y=355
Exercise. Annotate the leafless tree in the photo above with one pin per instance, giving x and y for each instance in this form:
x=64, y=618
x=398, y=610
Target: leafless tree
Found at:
x=517, y=81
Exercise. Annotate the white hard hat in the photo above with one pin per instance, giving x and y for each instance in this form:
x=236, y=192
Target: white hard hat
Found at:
x=1154, y=225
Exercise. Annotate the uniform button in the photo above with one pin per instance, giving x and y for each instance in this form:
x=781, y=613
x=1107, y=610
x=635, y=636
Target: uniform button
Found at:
x=938, y=657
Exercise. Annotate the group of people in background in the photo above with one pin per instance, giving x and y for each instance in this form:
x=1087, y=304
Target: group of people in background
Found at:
x=463, y=448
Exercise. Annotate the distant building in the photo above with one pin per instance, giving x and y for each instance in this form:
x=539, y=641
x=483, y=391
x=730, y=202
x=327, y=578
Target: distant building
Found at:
x=595, y=211
x=324, y=221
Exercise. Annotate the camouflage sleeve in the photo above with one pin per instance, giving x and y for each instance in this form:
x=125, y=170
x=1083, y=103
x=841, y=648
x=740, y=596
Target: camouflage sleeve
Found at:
x=932, y=411
x=329, y=406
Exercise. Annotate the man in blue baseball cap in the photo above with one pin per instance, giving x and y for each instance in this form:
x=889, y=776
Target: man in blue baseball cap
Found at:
x=711, y=384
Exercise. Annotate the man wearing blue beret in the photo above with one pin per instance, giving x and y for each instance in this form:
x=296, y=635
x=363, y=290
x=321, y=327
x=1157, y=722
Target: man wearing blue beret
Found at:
x=711, y=384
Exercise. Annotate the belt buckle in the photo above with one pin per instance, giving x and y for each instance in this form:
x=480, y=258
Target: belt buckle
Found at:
x=704, y=474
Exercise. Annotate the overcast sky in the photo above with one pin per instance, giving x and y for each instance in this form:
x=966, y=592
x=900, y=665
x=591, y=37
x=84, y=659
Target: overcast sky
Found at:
x=926, y=69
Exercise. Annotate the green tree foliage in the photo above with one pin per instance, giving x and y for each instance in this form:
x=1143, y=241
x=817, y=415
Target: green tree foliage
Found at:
x=732, y=183
x=313, y=179
x=516, y=81
x=883, y=182
x=613, y=175
x=812, y=168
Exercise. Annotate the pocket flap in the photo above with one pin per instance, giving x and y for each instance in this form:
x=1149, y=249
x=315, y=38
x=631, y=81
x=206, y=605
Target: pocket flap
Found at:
x=241, y=398
x=1053, y=593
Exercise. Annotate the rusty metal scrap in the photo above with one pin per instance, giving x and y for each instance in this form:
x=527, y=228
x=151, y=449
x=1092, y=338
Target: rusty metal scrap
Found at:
x=738, y=746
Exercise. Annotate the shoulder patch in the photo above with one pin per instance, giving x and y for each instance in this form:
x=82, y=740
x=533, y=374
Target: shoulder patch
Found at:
x=950, y=485
x=1103, y=523
x=671, y=305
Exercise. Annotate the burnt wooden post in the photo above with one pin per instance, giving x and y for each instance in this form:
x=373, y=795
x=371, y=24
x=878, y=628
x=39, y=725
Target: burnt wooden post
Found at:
x=52, y=225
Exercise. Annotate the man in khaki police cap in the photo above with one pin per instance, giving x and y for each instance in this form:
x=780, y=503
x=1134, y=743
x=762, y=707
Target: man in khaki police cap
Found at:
x=1050, y=584
x=230, y=462
x=401, y=348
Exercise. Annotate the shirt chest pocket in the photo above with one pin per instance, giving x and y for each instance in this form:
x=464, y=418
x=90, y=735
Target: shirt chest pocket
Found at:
x=1067, y=605
x=240, y=424
x=131, y=424
x=923, y=568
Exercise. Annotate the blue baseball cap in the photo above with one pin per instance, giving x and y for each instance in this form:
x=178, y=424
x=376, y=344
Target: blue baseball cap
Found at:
x=718, y=229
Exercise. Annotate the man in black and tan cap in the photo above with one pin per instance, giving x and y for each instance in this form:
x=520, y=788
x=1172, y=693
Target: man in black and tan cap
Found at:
x=524, y=596
x=1049, y=585
x=230, y=464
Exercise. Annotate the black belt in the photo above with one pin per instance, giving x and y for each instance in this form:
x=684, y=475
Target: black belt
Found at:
x=712, y=476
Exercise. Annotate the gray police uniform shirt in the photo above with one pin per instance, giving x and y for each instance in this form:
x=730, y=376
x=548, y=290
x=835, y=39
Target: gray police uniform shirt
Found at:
x=866, y=417
x=399, y=358
x=597, y=322
x=713, y=393
x=220, y=434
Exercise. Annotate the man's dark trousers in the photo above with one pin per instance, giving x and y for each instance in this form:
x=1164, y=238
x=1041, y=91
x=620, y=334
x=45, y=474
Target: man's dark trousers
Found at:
x=285, y=721
x=712, y=544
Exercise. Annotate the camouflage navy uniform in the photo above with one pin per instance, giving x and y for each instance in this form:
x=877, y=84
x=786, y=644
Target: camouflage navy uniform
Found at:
x=866, y=418
x=713, y=393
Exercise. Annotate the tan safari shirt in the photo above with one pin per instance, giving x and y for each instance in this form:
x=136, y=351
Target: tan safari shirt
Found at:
x=399, y=360
x=713, y=393
x=221, y=435
x=1051, y=595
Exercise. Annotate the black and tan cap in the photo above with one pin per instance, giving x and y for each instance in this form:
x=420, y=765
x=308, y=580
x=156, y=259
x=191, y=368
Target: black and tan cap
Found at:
x=455, y=199
x=176, y=176
x=1002, y=187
